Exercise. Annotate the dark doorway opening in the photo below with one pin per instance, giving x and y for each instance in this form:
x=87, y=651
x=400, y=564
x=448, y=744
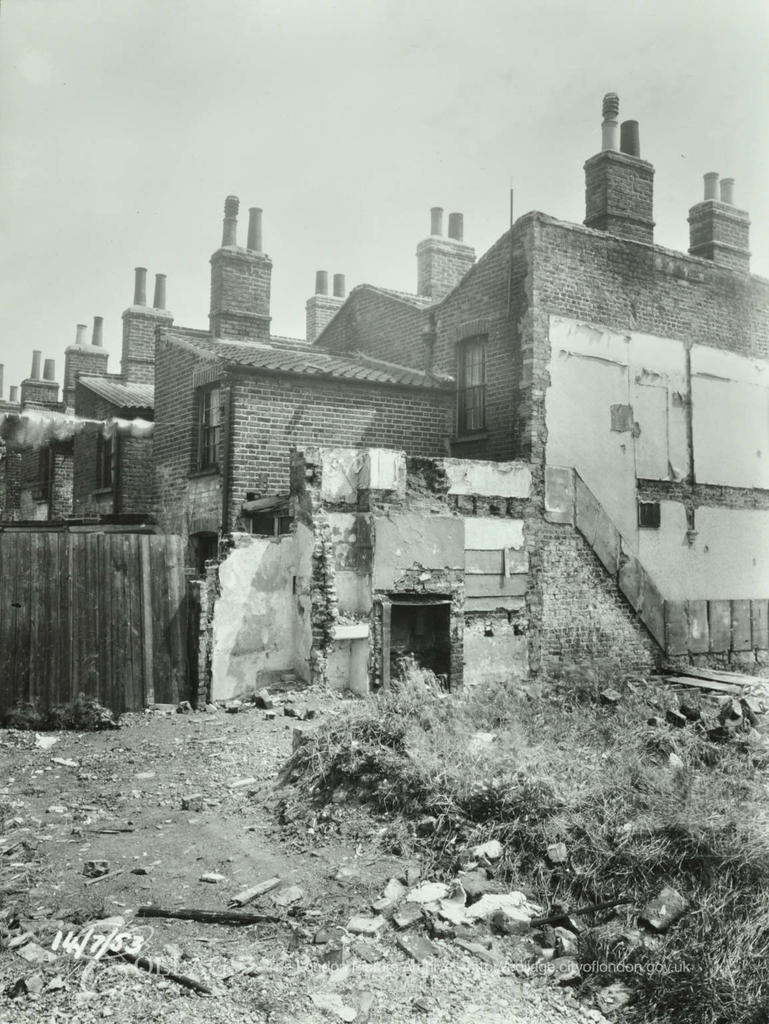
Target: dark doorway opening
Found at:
x=422, y=629
x=203, y=548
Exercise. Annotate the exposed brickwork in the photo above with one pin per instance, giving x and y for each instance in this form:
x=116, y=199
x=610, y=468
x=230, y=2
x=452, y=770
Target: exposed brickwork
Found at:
x=379, y=324
x=721, y=233
x=441, y=265
x=240, y=294
x=40, y=393
x=320, y=310
x=61, y=484
x=583, y=616
x=703, y=495
x=138, y=358
x=619, y=195
x=90, y=360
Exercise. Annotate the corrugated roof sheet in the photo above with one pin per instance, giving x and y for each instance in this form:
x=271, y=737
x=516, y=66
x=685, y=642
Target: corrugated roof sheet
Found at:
x=124, y=396
x=312, y=362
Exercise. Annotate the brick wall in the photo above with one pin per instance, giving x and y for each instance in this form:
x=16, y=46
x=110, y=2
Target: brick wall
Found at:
x=138, y=357
x=240, y=295
x=89, y=360
x=380, y=325
x=721, y=233
x=441, y=265
x=61, y=486
x=619, y=195
x=320, y=310
x=270, y=415
x=10, y=485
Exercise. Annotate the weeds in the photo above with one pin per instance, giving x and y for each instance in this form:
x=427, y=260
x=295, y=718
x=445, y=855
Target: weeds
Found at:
x=83, y=714
x=528, y=770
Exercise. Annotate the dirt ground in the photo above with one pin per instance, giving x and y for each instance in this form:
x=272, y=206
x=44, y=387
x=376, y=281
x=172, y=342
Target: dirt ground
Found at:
x=132, y=781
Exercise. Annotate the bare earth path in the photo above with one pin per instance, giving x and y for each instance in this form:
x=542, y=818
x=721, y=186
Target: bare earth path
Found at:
x=134, y=780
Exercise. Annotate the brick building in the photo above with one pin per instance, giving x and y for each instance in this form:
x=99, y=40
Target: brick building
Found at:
x=232, y=401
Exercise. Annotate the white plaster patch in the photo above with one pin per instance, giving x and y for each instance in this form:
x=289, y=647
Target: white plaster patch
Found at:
x=340, y=469
x=488, y=479
x=714, y=362
x=383, y=470
x=487, y=533
x=731, y=432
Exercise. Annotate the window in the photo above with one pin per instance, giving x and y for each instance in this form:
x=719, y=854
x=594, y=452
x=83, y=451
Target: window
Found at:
x=105, y=462
x=471, y=386
x=44, y=474
x=210, y=427
x=649, y=514
x=270, y=525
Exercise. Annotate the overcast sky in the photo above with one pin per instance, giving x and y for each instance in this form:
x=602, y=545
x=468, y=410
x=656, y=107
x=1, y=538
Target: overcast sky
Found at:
x=124, y=124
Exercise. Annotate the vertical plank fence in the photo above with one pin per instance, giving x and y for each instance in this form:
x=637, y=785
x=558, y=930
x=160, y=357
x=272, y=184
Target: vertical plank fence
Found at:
x=92, y=610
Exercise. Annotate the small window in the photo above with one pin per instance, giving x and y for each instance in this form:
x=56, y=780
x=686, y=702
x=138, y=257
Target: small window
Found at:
x=471, y=386
x=649, y=514
x=270, y=525
x=105, y=462
x=44, y=474
x=210, y=427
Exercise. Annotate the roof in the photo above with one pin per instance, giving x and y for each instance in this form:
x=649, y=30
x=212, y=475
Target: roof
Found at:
x=124, y=396
x=277, y=341
x=309, y=361
x=418, y=301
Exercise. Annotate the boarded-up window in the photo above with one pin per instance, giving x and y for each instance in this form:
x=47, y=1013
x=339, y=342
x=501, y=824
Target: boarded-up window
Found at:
x=471, y=385
x=105, y=461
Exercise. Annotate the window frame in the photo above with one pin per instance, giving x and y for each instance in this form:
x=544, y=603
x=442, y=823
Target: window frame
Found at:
x=656, y=515
x=471, y=415
x=209, y=434
x=106, y=462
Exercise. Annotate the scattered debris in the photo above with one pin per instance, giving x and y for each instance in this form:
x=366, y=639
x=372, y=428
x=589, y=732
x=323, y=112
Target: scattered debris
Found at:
x=247, y=895
x=614, y=997
x=611, y=697
x=477, y=950
x=428, y=892
x=665, y=910
x=45, y=742
x=206, y=916
x=155, y=967
x=291, y=894
x=212, y=877
x=407, y=915
x=360, y=925
x=418, y=947
x=95, y=868
x=490, y=903
x=332, y=1002
x=193, y=802
x=491, y=850
x=367, y=951
x=557, y=853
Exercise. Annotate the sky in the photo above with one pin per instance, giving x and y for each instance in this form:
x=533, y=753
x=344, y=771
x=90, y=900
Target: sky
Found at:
x=125, y=123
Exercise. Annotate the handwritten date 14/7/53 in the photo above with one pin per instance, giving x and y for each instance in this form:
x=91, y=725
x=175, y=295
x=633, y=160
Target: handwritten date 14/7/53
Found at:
x=101, y=943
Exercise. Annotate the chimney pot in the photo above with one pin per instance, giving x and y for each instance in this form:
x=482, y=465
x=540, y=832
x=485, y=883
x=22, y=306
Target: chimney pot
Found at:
x=711, y=185
x=37, y=355
x=230, y=224
x=97, y=337
x=80, y=334
x=255, y=229
x=13, y=393
x=49, y=370
x=727, y=191
x=456, y=226
x=159, y=300
x=609, y=129
x=629, y=140
x=339, y=286
x=321, y=282
x=140, y=286
x=436, y=220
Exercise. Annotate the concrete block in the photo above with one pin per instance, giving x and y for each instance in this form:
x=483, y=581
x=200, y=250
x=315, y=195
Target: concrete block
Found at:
x=720, y=626
x=587, y=510
x=759, y=615
x=515, y=561
x=492, y=604
x=488, y=479
x=485, y=562
x=741, y=634
x=699, y=633
x=676, y=628
x=487, y=533
x=653, y=610
x=559, y=495
x=502, y=586
x=631, y=575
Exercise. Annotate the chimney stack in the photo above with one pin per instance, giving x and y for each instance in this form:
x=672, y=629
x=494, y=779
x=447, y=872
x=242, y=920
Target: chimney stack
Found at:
x=80, y=330
x=456, y=226
x=442, y=262
x=255, y=229
x=97, y=337
x=718, y=231
x=321, y=308
x=230, y=222
x=37, y=356
x=619, y=185
x=40, y=391
x=49, y=370
x=240, y=281
x=159, y=299
x=140, y=286
x=13, y=394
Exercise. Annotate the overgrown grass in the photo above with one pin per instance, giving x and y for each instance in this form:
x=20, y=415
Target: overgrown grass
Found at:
x=83, y=714
x=564, y=767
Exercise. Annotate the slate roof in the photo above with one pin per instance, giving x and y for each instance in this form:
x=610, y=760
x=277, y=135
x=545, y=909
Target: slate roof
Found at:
x=124, y=396
x=309, y=361
x=418, y=301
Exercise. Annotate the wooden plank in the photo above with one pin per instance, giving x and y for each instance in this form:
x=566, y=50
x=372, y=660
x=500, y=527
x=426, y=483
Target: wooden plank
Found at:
x=22, y=607
x=497, y=586
x=8, y=687
x=60, y=649
x=145, y=569
x=178, y=621
x=135, y=695
x=161, y=651
x=40, y=684
x=104, y=619
x=701, y=684
x=741, y=639
x=712, y=675
x=78, y=559
x=676, y=628
x=720, y=626
x=759, y=617
x=91, y=623
x=118, y=629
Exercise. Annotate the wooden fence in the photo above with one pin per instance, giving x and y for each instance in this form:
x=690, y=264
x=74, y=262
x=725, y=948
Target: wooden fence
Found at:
x=94, y=610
